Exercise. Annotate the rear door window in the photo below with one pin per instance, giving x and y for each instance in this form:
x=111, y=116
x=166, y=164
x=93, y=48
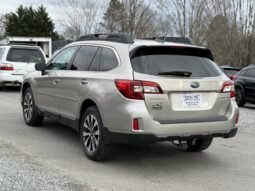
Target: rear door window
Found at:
x=29, y=55
x=242, y=73
x=251, y=73
x=156, y=60
x=84, y=58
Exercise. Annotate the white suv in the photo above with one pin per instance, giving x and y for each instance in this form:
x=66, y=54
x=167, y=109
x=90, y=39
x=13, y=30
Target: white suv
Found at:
x=18, y=60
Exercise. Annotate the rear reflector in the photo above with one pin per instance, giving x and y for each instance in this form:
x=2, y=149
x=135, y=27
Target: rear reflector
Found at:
x=6, y=67
x=237, y=119
x=135, y=124
x=228, y=87
x=135, y=89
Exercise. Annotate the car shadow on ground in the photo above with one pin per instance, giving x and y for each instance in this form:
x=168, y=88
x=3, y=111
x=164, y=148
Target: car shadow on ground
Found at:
x=10, y=89
x=162, y=155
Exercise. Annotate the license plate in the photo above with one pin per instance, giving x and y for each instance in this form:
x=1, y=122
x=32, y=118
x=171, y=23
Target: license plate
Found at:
x=191, y=100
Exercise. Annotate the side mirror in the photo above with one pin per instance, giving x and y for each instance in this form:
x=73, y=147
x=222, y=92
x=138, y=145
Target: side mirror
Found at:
x=40, y=67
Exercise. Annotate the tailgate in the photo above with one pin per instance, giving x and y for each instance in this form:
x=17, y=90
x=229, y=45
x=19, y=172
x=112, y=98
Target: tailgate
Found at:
x=190, y=81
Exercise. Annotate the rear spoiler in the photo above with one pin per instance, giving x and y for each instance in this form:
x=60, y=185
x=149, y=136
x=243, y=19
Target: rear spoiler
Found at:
x=176, y=50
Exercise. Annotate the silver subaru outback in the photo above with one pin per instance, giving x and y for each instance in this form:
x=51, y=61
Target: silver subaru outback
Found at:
x=113, y=89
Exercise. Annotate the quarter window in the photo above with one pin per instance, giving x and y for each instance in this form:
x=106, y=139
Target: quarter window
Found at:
x=108, y=60
x=61, y=61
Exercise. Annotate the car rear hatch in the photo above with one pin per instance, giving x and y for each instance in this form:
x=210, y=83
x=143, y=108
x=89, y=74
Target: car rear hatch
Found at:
x=193, y=88
x=23, y=59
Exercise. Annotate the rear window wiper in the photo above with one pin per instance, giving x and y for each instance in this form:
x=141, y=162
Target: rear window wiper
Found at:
x=176, y=73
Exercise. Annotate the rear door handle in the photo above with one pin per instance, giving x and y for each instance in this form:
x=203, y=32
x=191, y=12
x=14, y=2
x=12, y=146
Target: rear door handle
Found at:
x=83, y=82
x=56, y=81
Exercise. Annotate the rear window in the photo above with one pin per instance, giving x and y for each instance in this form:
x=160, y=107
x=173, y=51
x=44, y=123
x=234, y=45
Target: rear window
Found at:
x=230, y=72
x=25, y=55
x=157, y=60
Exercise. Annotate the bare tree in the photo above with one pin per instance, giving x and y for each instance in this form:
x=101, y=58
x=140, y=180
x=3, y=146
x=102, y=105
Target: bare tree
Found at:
x=79, y=16
x=184, y=18
x=237, y=41
x=140, y=18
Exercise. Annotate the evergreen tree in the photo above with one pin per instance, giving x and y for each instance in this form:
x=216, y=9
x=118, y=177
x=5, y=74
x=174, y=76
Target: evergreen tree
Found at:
x=30, y=22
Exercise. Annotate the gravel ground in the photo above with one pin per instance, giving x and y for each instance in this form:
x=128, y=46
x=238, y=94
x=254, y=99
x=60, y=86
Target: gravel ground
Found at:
x=20, y=172
x=50, y=157
x=247, y=116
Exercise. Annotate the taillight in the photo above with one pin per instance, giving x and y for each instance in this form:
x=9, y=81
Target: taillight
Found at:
x=135, y=89
x=229, y=87
x=6, y=67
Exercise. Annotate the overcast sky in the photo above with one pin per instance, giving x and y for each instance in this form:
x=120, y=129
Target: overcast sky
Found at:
x=7, y=6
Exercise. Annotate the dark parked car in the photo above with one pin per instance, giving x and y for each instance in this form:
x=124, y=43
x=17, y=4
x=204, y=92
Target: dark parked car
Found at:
x=245, y=86
x=230, y=71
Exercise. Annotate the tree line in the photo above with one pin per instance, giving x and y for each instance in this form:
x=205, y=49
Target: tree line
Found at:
x=227, y=27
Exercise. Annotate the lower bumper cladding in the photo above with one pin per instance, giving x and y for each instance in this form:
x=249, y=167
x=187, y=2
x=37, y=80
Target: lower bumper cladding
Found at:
x=150, y=138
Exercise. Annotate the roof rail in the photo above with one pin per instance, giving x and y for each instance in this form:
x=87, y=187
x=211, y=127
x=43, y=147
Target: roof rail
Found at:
x=114, y=37
x=184, y=40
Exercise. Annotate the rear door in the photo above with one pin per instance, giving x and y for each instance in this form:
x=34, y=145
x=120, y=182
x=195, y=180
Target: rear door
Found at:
x=250, y=84
x=24, y=59
x=76, y=80
x=190, y=80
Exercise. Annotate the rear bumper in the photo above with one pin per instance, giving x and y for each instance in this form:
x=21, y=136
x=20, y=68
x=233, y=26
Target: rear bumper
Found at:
x=119, y=121
x=150, y=138
x=10, y=78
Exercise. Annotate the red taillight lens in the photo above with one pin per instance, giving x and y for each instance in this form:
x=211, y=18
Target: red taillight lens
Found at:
x=6, y=67
x=135, y=89
x=228, y=87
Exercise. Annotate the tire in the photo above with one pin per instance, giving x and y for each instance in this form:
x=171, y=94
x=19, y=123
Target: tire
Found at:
x=32, y=116
x=94, y=136
x=196, y=145
x=240, y=98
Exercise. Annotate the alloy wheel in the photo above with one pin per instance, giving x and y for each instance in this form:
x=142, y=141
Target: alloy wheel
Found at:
x=28, y=106
x=91, y=133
